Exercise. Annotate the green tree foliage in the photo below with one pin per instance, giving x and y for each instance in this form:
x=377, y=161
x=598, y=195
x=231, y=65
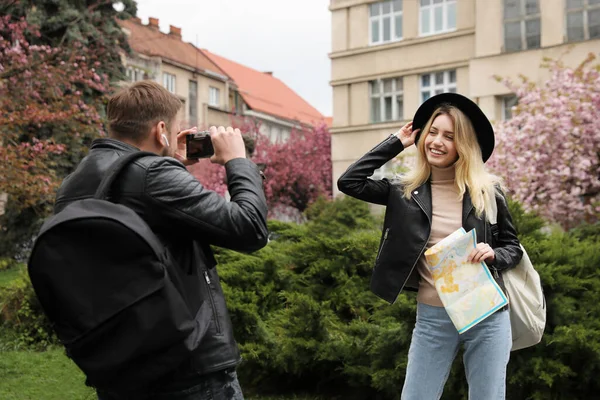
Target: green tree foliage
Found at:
x=70, y=23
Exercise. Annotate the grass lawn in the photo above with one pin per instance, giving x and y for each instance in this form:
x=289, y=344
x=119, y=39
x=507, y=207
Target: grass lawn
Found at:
x=51, y=375
x=8, y=275
x=40, y=376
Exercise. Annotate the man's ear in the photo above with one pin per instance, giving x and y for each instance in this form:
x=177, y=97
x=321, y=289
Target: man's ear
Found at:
x=158, y=130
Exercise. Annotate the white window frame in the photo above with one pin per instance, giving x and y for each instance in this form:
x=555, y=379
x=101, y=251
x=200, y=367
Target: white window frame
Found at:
x=430, y=9
x=446, y=86
x=214, y=96
x=135, y=74
x=508, y=102
x=392, y=15
x=169, y=82
x=397, y=114
x=585, y=8
x=522, y=19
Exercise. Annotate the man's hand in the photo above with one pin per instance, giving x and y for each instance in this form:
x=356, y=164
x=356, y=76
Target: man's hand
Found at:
x=181, y=152
x=483, y=252
x=407, y=135
x=228, y=144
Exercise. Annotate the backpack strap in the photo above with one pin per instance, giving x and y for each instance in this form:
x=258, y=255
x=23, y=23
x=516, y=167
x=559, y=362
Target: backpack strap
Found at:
x=494, y=204
x=114, y=170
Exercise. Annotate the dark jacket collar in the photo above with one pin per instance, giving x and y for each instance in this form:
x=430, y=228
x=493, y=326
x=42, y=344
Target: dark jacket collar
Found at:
x=422, y=196
x=114, y=144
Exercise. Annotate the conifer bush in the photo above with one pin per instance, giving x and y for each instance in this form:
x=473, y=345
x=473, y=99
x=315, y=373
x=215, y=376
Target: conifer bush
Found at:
x=306, y=320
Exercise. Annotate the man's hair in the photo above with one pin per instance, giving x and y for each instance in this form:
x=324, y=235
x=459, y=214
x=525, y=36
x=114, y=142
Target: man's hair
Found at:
x=133, y=110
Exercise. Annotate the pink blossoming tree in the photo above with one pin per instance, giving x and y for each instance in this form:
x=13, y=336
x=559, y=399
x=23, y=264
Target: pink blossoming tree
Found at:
x=548, y=152
x=297, y=171
x=41, y=98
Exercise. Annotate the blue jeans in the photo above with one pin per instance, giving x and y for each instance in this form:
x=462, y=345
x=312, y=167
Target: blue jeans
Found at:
x=435, y=342
x=222, y=385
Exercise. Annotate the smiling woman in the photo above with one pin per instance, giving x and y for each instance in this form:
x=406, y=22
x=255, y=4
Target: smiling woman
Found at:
x=448, y=189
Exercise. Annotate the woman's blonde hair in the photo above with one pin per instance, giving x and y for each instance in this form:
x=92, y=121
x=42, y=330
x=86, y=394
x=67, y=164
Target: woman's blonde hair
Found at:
x=471, y=173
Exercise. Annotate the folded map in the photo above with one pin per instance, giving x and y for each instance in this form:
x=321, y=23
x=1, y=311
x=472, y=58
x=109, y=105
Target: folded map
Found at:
x=468, y=291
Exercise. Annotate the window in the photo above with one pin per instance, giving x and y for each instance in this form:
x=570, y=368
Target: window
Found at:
x=437, y=82
x=238, y=104
x=521, y=25
x=387, y=100
x=135, y=74
x=583, y=19
x=169, y=82
x=193, y=103
x=275, y=134
x=437, y=16
x=213, y=98
x=508, y=102
x=385, y=21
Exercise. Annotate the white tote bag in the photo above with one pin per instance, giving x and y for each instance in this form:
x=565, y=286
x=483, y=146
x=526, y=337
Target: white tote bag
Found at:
x=527, y=305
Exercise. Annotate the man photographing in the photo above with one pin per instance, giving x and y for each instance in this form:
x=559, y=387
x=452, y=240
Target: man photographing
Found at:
x=145, y=346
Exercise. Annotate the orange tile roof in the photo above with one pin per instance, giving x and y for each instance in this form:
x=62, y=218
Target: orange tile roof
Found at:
x=329, y=121
x=152, y=42
x=265, y=93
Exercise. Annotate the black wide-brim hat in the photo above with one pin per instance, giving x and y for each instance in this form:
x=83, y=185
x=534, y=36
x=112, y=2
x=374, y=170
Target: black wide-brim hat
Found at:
x=483, y=127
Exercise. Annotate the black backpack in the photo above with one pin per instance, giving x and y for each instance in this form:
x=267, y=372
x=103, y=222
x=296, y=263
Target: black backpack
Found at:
x=112, y=291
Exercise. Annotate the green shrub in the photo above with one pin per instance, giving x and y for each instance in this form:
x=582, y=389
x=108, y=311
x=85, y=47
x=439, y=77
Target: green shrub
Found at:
x=587, y=231
x=305, y=319
x=7, y=263
x=21, y=313
x=565, y=365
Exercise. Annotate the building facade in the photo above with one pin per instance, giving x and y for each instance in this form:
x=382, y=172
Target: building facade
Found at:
x=213, y=88
x=267, y=100
x=165, y=58
x=389, y=56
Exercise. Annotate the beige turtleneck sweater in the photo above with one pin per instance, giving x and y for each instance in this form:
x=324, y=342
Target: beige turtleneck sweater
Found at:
x=446, y=218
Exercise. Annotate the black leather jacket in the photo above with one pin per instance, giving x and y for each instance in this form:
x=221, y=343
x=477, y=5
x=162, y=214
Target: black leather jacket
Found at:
x=407, y=224
x=187, y=218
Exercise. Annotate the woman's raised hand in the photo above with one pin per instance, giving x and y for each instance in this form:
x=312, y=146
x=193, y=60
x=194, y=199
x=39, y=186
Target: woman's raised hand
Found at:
x=407, y=135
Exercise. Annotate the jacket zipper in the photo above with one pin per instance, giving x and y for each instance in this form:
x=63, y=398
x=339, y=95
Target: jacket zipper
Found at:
x=212, y=302
x=425, y=245
x=494, y=270
x=385, y=236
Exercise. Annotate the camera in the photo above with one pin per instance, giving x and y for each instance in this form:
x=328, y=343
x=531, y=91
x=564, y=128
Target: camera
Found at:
x=199, y=145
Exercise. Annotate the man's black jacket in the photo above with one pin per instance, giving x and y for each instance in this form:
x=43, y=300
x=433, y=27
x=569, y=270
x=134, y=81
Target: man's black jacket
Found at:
x=187, y=218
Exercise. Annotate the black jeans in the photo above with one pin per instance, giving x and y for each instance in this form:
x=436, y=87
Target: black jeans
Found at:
x=221, y=385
